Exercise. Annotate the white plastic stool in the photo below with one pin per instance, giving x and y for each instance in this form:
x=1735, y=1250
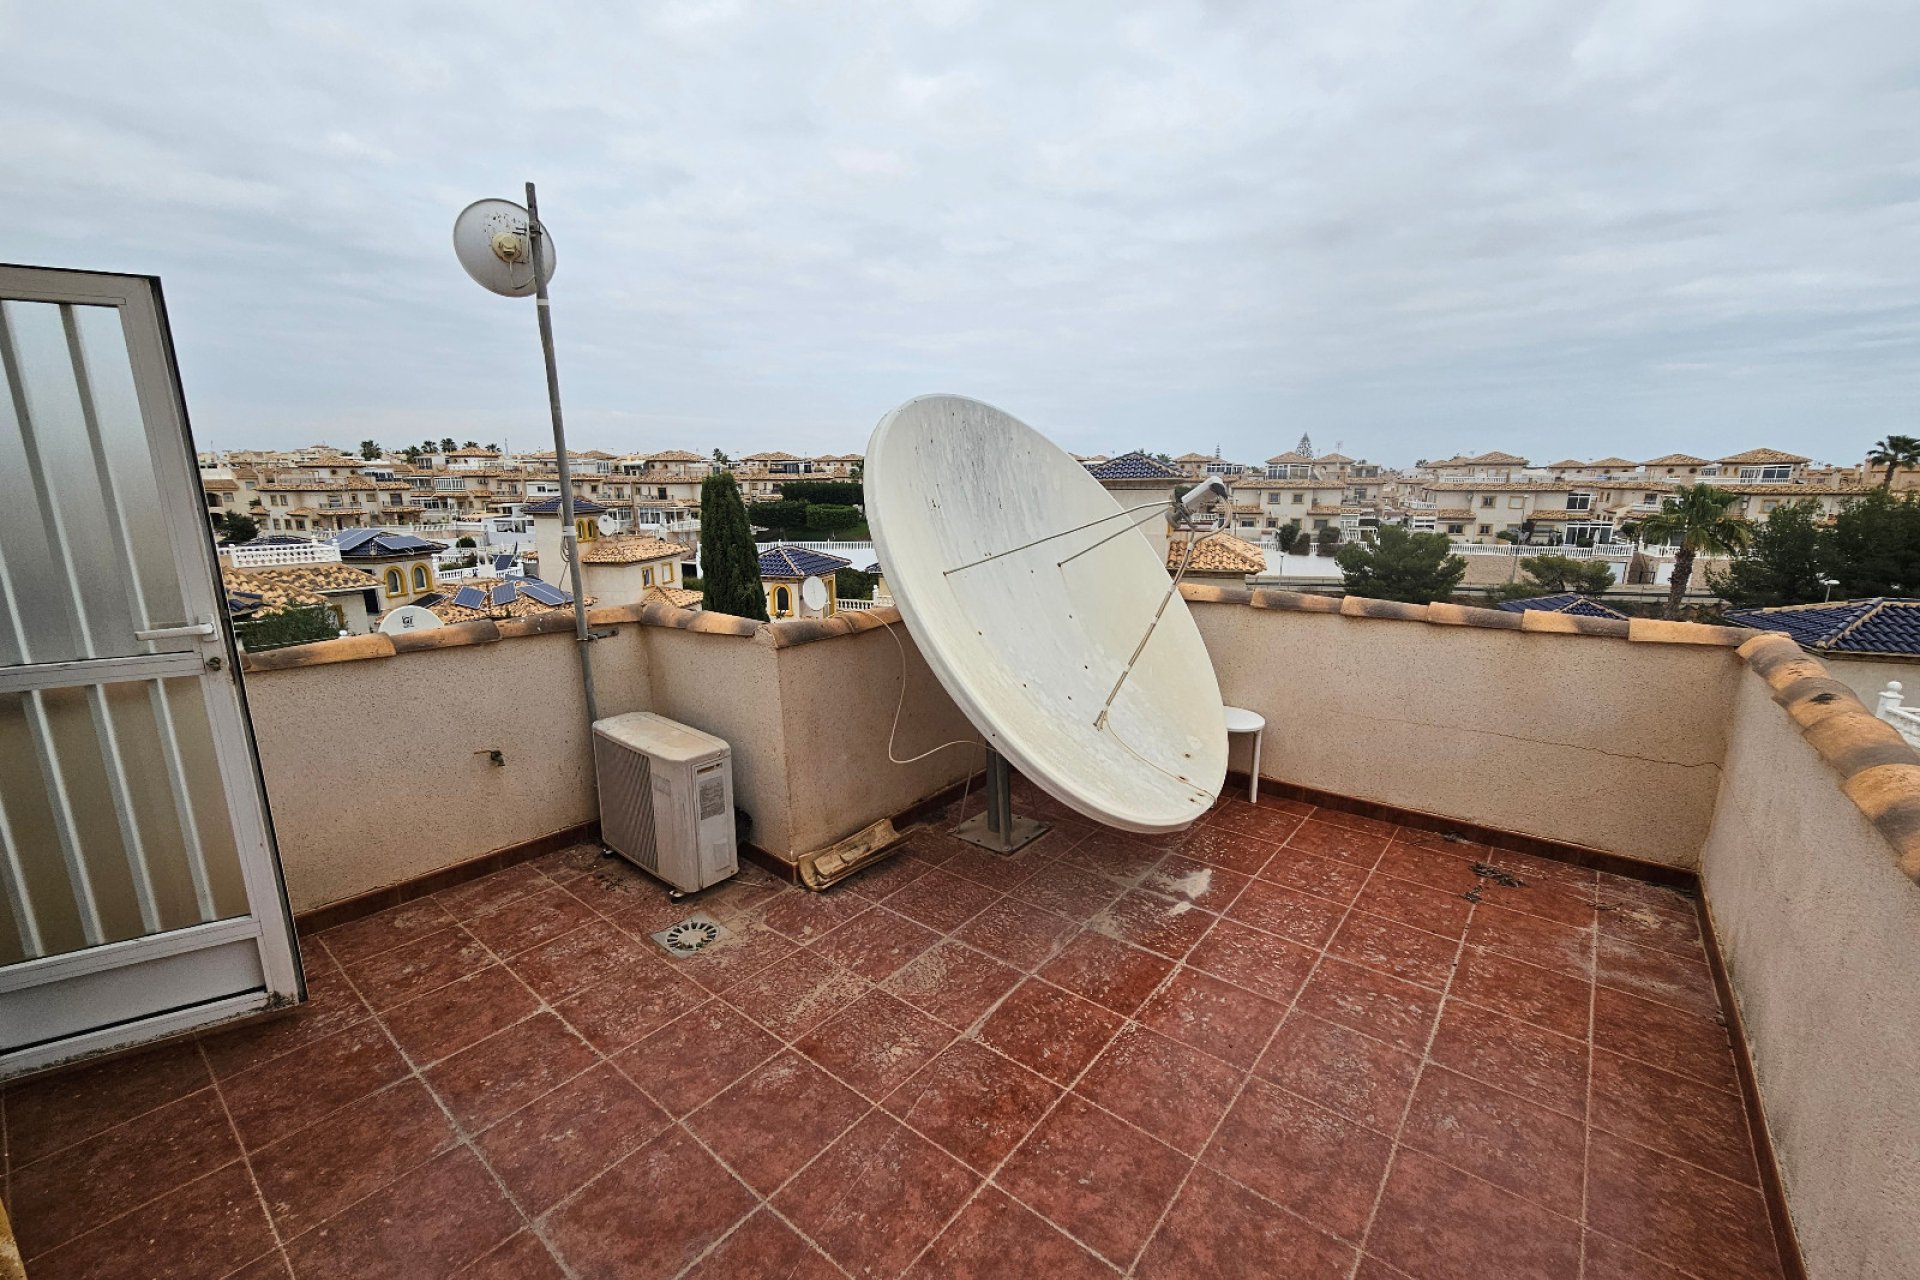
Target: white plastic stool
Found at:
x=1241, y=720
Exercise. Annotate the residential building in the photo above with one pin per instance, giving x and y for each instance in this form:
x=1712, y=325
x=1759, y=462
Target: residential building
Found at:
x=351, y=594
x=621, y=569
x=403, y=564
x=784, y=572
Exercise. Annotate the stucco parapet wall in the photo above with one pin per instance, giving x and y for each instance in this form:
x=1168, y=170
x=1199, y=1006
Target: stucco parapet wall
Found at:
x=1639, y=630
x=1879, y=772
x=780, y=635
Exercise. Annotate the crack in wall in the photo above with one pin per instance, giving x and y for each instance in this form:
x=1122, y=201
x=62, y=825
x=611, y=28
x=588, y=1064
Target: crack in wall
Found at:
x=1544, y=742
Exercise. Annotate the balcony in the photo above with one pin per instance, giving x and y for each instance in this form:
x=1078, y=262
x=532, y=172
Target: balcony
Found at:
x=1553, y=947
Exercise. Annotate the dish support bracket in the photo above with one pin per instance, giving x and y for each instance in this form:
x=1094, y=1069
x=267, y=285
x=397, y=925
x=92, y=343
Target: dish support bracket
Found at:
x=997, y=829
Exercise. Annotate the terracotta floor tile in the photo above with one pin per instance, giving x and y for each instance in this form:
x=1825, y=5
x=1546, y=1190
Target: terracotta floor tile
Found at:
x=1305, y=872
x=1608, y=1259
x=1173, y=1092
x=274, y=1099
x=570, y=863
x=315, y=1173
x=1107, y=971
x=85, y=1185
x=774, y=1119
x=331, y=1005
x=742, y=898
x=1515, y=935
x=1440, y=1224
x=1678, y=1213
x=1217, y=1228
x=491, y=892
x=1356, y=822
x=764, y=1246
x=875, y=944
x=575, y=961
x=1440, y=869
x=1361, y=848
x=1556, y=1001
x=798, y=994
x=695, y=1056
x=941, y=901
x=1169, y=926
x=443, y=1215
x=802, y=917
x=875, y=1043
x=1542, y=1065
x=749, y=948
x=1363, y=1079
x=1205, y=1013
x=1399, y=949
x=1516, y=1145
x=1320, y=1165
x=57, y=1109
x=995, y=1228
x=877, y=1196
x=1116, y=854
x=954, y=983
x=1383, y=1007
x=1674, y=1115
x=1682, y=981
x=890, y=876
x=1017, y=933
x=1300, y=918
x=425, y=964
x=973, y=1102
x=1228, y=849
x=613, y=1014
x=649, y=1216
x=1049, y=1030
x=1649, y=926
x=1102, y=1181
x=1662, y=1036
x=1185, y=880
x=530, y=921
x=509, y=1069
x=1073, y=892
x=639, y=913
x=613, y=886
x=1618, y=890
x=207, y=1228
x=1269, y=799
x=1538, y=870
x=447, y=1020
x=1260, y=822
x=1434, y=910
x=523, y=1257
x=1446, y=841
x=560, y=1141
x=385, y=930
x=993, y=871
x=1548, y=899
x=1251, y=958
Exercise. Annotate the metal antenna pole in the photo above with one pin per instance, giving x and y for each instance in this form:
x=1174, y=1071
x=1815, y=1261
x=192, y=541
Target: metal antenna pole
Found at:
x=568, y=551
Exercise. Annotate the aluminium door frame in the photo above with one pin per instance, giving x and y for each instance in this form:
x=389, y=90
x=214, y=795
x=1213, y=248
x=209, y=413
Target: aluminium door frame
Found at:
x=269, y=919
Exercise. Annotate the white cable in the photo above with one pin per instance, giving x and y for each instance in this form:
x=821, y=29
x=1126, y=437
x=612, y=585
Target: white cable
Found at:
x=900, y=705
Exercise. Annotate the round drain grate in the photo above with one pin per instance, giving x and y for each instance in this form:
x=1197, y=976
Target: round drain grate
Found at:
x=689, y=936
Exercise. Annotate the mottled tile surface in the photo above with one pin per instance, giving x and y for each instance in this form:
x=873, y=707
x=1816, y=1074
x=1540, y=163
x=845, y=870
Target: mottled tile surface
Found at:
x=1288, y=1042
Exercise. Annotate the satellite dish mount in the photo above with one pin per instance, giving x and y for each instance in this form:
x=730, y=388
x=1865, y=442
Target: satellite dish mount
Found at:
x=997, y=828
x=506, y=249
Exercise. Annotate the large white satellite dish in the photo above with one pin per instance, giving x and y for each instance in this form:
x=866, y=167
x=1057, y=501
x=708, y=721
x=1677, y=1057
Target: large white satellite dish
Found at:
x=1030, y=597
x=813, y=594
x=409, y=617
x=492, y=241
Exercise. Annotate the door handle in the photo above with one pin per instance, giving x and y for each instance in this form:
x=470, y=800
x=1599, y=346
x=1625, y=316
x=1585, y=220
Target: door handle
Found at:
x=173, y=633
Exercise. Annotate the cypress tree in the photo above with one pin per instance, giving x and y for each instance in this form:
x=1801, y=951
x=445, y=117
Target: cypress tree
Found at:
x=731, y=583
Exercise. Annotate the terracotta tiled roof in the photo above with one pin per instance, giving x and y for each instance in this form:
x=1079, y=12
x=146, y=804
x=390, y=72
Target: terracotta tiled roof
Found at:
x=1566, y=463
x=1498, y=459
x=630, y=548
x=1675, y=460
x=678, y=597
x=1613, y=462
x=519, y=607
x=1333, y=457
x=1219, y=553
x=1762, y=457
x=1290, y=458
x=291, y=586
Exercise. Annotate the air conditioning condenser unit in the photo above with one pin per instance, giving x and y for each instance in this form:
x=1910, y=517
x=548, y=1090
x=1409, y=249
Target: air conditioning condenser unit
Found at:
x=666, y=798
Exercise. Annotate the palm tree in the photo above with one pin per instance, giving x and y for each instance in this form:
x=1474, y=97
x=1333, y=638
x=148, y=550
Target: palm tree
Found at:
x=1698, y=518
x=1893, y=453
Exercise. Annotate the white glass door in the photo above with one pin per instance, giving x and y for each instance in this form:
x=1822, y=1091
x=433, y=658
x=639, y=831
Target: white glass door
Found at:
x=140, y=894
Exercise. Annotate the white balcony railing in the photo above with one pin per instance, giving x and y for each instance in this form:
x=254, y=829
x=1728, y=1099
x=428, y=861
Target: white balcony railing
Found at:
x=1896, y=713
x=857, y=606
x=283, y=553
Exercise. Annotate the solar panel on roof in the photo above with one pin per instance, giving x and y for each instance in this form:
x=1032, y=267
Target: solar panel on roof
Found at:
x=470, y=598
x=353, y=538
x=502, y=562
x=504, y=593
x=545, y=594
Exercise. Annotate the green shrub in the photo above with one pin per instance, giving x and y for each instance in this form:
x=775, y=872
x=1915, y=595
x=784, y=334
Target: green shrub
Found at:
x=302, y=625
x=825, y=517
x=846, y=493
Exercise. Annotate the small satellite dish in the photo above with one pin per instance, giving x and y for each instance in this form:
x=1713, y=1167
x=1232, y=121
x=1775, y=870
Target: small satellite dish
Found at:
x=1046, y=617
x=813, y=594
x=607, y=525
x=409, y=617
x=490, y=239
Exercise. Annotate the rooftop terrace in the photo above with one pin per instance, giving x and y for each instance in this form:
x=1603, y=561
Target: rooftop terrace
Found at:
x=1556, y=946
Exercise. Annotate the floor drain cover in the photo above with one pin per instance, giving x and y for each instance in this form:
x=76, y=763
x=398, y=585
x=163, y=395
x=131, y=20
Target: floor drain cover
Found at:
x=692, y=934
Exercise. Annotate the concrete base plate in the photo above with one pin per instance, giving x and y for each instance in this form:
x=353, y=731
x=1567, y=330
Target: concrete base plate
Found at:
x=1025, y=832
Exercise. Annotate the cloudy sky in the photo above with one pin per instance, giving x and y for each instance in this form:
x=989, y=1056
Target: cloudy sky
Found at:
x=1410, y=228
